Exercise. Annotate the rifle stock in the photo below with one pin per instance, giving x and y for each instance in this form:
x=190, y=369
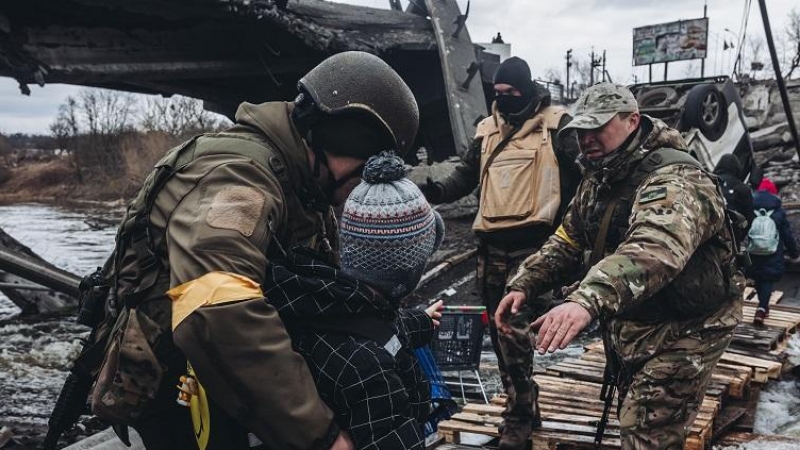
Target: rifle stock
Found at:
x=72, y=400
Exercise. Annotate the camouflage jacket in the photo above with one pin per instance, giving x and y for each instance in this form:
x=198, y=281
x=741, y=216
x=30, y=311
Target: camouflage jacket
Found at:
x=646, y=285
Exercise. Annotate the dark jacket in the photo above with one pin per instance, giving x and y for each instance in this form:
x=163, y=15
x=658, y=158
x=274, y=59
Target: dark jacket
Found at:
x=771, y=267
x=465, y=178
x=342, y=327
x=738, y=195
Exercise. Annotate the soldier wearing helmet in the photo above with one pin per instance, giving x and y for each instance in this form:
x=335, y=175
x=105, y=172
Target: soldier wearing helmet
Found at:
x=194, y=248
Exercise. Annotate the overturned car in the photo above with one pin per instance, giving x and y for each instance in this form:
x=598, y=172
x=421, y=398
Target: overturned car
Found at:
x=709, y=114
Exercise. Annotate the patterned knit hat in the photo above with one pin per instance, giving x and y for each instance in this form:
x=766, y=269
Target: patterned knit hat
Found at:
x=388, y=230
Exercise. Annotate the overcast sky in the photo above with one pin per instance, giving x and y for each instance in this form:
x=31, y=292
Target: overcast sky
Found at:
x=538, y=31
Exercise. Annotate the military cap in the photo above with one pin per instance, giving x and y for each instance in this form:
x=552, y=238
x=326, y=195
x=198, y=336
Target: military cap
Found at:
x=599, y=104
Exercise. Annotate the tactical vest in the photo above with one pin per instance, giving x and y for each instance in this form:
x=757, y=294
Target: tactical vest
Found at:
x=704, y=284
x=519, y=173
x=141, y=313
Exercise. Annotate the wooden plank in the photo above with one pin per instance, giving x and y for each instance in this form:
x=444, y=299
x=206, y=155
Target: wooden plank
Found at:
x=750, y=296
x=726, y=419
x=739, y=438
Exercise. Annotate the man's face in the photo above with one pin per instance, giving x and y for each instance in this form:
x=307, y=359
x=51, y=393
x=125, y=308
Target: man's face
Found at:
x=599, y=142
x=346, y=170
x=506, y=89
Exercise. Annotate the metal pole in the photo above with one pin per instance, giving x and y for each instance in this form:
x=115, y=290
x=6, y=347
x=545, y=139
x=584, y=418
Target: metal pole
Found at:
x=650, y=70
x=666, y=64
x=591, y=67
x=779, y=77
x=703, y=61
x=604, y=65
x=569, y=63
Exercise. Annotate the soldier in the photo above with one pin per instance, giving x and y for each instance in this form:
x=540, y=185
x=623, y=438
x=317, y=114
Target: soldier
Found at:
x=193, y=250
x=527, y=176
x=650, y=226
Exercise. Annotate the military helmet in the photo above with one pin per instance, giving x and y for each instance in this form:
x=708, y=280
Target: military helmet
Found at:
x=362, y=83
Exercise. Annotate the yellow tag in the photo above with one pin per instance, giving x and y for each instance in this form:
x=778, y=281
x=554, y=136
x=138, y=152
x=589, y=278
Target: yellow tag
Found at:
x=201, y=416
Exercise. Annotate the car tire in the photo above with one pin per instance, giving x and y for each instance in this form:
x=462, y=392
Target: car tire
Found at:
x=707, y=110
x=658, y=97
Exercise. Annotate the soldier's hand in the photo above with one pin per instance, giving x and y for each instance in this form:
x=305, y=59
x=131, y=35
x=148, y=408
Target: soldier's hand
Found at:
x=509, y=305
x=559, y=326
x=343, y=442
x=431, y=190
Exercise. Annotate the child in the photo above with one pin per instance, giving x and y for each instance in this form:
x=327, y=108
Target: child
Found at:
x=768, y=269
x=347, y=323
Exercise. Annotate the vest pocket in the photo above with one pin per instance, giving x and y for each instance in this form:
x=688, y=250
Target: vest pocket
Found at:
x=508, y=190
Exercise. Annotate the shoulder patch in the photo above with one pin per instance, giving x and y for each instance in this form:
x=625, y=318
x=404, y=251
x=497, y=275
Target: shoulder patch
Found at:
x=651, y=195
x=236, y=208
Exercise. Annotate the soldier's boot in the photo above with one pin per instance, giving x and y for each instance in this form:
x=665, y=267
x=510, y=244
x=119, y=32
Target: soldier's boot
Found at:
x=514, y=434
x=521, y=415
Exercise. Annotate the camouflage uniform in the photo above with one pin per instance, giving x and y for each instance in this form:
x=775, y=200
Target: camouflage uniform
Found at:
x=501, y=252
x=667, y=289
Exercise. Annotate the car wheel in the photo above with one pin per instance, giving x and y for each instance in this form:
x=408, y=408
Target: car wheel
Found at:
x=707, y=110
x=660, y=96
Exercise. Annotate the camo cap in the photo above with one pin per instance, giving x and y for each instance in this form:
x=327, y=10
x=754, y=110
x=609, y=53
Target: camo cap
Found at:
x=599, y=104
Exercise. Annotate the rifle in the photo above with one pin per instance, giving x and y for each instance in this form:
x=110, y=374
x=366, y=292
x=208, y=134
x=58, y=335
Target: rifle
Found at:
x=71, y=403
x=607, y=394
x=609, y=389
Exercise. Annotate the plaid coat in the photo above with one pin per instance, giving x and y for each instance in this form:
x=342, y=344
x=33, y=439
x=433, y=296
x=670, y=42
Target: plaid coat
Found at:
x=345, y=332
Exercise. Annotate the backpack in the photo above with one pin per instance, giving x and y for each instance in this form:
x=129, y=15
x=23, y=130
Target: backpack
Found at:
x=763, y=236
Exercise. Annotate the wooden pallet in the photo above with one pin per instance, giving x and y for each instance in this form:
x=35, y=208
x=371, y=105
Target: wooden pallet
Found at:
x=750, y=296
x=759, y=337
x=570, y=410
x=780, y=316
x=569, y=391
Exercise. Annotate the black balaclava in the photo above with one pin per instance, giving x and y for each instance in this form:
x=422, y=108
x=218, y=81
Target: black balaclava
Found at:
x=514, y=71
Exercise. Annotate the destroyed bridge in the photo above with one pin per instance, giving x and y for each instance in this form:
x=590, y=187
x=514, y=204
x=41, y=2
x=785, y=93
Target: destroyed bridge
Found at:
x=228, y=51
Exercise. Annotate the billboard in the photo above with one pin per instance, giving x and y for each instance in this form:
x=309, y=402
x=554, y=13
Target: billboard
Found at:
x=673, y=41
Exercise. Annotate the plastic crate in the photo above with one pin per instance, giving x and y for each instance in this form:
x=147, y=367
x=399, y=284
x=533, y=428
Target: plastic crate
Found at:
x=458, y=341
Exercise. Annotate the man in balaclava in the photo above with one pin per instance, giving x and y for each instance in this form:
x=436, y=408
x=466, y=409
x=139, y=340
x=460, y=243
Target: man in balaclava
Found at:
x=527, y=176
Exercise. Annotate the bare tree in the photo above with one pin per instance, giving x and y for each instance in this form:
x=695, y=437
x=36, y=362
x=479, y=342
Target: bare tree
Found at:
x=553, y=75
x=755, y=57
x=66, y=129
x=5, y=150
x=89, y=129
x=106, y=114
x=792, y=35
x=177, y=115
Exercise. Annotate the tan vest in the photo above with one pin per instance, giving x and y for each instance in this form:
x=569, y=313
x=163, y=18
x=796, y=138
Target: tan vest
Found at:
x=521, y=185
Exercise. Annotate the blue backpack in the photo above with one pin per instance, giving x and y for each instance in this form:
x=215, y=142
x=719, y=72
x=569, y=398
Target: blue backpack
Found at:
x=763, y=237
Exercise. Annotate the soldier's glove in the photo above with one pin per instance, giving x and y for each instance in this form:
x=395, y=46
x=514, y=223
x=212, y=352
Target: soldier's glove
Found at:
x=431, y=190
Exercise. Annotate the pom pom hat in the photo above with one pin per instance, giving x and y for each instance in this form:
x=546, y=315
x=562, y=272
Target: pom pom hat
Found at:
x=388, y=230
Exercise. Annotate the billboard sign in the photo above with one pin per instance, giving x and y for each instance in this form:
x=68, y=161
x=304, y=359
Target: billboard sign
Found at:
x=673, y=41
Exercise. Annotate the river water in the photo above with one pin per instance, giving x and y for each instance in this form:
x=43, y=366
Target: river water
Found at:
x=35, y=354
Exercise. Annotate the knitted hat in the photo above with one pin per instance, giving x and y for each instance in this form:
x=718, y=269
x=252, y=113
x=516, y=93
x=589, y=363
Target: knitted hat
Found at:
x=768, y=185
x=388, y=230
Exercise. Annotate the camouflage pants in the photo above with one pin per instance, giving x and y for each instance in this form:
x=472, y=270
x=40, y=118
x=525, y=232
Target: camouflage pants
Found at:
x=664, y=396
x=514, y=351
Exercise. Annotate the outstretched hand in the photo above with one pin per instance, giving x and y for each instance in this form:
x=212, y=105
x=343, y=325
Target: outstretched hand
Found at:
x=508, y=306
x=559, y=326
x=435, y=312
